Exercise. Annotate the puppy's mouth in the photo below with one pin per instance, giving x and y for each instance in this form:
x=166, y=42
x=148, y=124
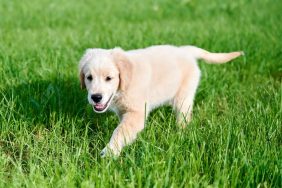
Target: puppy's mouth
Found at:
x=98, y=107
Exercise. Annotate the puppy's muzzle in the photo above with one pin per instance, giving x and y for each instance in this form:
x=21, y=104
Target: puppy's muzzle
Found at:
x=98, y=106
x=96, y=97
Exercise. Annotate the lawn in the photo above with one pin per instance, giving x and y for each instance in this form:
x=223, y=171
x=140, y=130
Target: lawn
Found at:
x=50, y=136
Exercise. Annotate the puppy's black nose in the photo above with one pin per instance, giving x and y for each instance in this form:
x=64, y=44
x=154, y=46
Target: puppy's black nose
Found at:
x=96, y=97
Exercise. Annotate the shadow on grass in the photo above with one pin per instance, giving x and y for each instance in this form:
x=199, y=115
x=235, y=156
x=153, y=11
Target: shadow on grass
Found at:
x=41, y=102
x=41, y=107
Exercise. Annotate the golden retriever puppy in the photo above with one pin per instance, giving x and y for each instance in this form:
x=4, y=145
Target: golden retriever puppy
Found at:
x=132, y=83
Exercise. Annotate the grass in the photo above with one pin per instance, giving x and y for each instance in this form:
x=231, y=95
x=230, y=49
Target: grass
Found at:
x=50, y=137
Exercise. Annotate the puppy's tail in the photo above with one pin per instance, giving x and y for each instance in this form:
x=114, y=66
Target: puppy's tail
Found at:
x=214, y=58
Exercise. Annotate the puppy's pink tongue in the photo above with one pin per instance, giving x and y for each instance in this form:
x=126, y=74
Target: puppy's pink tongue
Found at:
x=99, y=106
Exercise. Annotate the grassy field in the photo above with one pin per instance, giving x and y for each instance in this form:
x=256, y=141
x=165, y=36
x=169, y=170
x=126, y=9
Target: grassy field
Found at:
x=50, y=136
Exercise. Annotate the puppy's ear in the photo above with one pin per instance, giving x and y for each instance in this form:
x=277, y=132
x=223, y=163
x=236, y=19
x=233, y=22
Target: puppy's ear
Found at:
x=82, y=83
x=124, y=66
x=83, y=61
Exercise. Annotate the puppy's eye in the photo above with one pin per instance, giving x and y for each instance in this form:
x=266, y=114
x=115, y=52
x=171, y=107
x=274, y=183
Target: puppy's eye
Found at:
x=90, y=78
x=108, y=78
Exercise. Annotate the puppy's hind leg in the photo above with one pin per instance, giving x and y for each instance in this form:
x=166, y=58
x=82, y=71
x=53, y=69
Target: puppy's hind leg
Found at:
x=183, y=100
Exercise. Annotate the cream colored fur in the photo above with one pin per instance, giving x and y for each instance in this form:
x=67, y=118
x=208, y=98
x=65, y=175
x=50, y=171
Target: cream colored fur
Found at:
x=141, y=80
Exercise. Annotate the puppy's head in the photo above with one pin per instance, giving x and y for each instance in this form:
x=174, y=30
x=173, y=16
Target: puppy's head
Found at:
x=103, y=73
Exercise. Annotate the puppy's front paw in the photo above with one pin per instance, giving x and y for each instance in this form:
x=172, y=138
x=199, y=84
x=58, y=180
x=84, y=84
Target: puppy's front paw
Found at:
x=109, y=151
